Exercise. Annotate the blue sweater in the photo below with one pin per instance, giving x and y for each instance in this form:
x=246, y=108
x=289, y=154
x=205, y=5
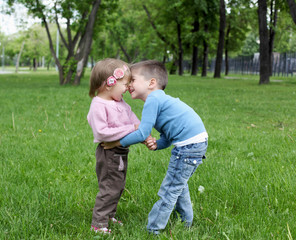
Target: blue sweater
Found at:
x=172, y=118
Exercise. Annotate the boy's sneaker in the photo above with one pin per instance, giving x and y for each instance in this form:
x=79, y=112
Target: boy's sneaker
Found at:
x=114, y=220
x=100, y=230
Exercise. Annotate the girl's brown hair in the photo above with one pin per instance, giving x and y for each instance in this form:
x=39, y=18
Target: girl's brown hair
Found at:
x=102, y=70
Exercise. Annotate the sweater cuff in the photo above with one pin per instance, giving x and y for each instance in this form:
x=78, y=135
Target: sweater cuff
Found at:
x=122, y=143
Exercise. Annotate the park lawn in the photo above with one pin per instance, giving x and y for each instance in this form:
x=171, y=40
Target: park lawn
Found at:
x=47, y=173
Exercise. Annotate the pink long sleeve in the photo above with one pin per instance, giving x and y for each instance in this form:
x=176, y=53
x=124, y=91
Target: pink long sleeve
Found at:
x=110, y=120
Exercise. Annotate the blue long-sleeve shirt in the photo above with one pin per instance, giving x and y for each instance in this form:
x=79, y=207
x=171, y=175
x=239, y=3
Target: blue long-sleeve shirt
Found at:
x=172, y=118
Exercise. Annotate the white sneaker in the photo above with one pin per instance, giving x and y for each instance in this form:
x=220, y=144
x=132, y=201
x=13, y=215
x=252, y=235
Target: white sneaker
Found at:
x=104, y=230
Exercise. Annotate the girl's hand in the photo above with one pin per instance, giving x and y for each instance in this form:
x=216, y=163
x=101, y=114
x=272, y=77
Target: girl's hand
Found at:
x=109, y=145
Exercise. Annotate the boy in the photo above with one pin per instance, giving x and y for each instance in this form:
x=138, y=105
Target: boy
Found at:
x=177, y=124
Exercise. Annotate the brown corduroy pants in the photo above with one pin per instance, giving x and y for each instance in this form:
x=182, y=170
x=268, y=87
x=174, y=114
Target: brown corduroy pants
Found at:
x=111, y=167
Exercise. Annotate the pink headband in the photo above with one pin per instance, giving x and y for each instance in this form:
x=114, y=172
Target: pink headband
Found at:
x=117, y=74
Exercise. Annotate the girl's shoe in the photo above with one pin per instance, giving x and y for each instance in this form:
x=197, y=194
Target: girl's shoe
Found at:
x=100, y=230
x=114, y=220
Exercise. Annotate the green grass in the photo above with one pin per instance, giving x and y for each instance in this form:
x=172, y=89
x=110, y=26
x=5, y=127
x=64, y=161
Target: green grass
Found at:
x=47, y=169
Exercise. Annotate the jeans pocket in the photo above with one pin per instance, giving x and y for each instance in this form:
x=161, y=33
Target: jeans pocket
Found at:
x=189, y=166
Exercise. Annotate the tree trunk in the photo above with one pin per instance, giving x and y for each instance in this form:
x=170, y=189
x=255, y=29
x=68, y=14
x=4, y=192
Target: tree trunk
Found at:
x=19, y=57
x=292, y=6
x=47, y=65
x=180, y=50
x=84, y=46
x=264, y=42
x=53, y=53
x=226, y=49
x=80, y=58
x=273, y=21
x=164, y=56
x=34, y=64
x=128, y=57
x=219, y=56
x=174, y=65
x=205, y=53
x=116, y=37
x=68, y=77
x=161, y=37
x=92, y=62
x=194, y=67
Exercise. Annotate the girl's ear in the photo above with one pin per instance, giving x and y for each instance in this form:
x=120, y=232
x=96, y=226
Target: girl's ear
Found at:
x=103, y=88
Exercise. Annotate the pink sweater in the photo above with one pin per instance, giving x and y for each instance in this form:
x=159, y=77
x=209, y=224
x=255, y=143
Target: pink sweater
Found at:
x=110, y=120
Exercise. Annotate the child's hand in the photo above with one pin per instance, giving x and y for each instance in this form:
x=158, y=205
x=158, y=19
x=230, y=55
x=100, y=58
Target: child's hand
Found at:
x=150, y=143
x=136, y=126
x=109, y=145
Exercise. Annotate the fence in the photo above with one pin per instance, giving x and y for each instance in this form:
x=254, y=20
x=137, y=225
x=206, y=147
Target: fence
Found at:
x=283, y=64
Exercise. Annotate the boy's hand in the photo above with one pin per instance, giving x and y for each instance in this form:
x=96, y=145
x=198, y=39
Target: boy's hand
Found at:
x=150, y=143
x=137, y=126
x=109, y=145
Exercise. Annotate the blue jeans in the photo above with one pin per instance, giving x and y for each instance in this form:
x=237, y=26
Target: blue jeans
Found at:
x=174, y=191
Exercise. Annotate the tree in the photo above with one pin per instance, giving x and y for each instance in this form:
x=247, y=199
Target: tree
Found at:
x=80, y=18
x=285, y=39
x=251, y=44
x=169, y=42
x=18, y=57
x=272, y=27
x=162, y=36
x=219, y=57
x=3, y=46
x=172, y=27
x=264, y=42
x=194, y=9
x=292, y=6
x=205, y=51
x=209, y=21
x=35, y=47
x=195, y=30
x=200, y=17
x=238, y=21
x=36, y=44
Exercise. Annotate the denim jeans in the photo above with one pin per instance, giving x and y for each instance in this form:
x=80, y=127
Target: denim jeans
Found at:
x=174, y=191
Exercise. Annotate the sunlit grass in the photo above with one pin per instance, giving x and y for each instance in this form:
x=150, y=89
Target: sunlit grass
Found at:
x=47, y=173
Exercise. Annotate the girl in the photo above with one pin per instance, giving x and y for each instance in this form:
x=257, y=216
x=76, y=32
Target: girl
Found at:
x=110, y=119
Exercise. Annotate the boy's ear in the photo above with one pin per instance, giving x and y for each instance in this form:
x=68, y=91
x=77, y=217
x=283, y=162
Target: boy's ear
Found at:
x=153, y=83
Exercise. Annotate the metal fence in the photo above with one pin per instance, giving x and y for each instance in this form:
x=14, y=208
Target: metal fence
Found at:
x=283, y=64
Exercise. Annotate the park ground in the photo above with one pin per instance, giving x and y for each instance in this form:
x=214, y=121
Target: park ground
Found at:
x=47, y=169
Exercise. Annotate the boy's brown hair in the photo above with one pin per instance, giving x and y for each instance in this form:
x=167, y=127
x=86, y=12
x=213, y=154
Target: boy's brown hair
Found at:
x=152, y=69
x=102, y=70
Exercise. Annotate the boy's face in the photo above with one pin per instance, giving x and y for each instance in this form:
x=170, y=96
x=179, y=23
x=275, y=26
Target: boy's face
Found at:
x=139, y=86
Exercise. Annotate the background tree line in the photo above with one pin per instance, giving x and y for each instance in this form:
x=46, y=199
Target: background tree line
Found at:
x=168, y=30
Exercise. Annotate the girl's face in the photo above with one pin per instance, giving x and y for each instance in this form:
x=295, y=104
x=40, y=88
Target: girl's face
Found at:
x=117, y=91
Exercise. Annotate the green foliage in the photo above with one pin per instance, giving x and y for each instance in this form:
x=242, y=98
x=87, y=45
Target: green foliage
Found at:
x=126, y=27
x=36, y=45
x=251, y=45
x=123, y=29
x=285, y=38
x=238, y=20
x=47, y=163
x=70, y=66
